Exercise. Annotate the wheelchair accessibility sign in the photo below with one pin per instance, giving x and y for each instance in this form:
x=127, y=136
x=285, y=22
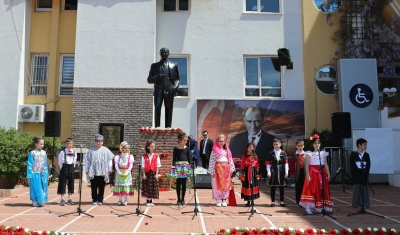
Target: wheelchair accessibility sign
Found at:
x=361, y=95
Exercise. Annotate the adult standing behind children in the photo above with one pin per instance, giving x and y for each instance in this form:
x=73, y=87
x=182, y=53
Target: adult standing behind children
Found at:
x=297, y=168
x=98, y=168
x=313, y=195
x=360, y=164
x=192, y=144
x=66, y=161
x=221, y=167
x=150, y=164
x=181, y=159
x=277, y=171
x=206, y=146
x=123, y=178
x=37, y=173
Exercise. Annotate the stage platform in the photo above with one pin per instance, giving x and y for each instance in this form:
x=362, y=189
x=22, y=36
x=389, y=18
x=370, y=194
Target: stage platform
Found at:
x=168, y=219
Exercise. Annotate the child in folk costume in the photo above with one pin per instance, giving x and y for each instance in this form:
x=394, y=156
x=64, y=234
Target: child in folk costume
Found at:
x=181, y=159
x=277, y=171
x=360, y=164
x=150, y=164
x=37, y=172
x=249, y=166
x=313, y=195
x=297, y=168
x=123, y=178
x=221, y=166
x=98, y=168
x=66, y=161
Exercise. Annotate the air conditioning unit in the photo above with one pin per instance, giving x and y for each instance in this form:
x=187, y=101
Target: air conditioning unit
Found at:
x=30, y=113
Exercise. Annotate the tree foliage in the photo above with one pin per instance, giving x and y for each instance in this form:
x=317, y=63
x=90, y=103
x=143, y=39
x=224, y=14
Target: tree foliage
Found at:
x=14, y=149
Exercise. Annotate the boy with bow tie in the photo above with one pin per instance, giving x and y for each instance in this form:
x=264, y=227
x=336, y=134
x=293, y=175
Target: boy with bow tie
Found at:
x=66, y=161
x=297, y=168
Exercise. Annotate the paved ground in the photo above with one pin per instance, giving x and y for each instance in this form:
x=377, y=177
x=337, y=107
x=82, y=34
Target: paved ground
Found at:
x=167, y=217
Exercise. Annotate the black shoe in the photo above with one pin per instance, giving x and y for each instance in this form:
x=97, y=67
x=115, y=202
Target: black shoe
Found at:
x=272, y=205
x=70, y=202
x=178, y=203
x=248, y=204
x=62, y=203
x=183, y=203
x=283, y=205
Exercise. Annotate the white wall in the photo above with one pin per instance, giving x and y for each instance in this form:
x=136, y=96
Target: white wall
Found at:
x=217, y=35
x=114, y=43
x=14, y=38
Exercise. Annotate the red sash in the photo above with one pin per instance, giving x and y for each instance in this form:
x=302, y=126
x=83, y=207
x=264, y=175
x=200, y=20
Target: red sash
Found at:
x=150, y=166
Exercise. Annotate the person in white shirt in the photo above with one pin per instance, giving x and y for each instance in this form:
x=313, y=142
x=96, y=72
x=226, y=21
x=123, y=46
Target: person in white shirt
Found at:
x=277, y=171
x=98, y=168
x=66, y=161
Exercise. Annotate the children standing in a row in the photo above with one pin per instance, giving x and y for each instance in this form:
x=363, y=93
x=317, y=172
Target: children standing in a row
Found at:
x=123, y=177
x=277, y=171
x=37, y=173
x=66, y=161
x=150, y=164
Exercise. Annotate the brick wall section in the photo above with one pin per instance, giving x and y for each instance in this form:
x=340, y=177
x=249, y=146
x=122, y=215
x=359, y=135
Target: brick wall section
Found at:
x=93, y=105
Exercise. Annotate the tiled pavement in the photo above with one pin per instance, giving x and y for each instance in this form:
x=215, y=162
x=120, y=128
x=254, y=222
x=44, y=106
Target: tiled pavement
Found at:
x=167, y=218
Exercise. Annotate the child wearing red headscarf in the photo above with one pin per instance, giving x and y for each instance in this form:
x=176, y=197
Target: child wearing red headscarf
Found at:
x=221, y=166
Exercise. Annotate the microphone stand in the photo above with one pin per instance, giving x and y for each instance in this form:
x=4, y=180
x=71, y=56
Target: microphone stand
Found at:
x=362, y=210
x=196, y=209
x=79, y=210
x=323, y=211
x=137, y=211
x=252, y=210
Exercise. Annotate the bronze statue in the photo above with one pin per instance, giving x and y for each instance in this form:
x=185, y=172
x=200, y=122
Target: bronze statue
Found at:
x=165, y=76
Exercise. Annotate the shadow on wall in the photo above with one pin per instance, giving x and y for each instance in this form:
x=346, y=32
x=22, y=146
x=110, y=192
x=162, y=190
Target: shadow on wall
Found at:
x=11, y=3
x=109, y=3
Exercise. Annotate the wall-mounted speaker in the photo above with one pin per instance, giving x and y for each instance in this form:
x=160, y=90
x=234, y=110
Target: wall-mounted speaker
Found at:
x=284, y=58
x=341, y=125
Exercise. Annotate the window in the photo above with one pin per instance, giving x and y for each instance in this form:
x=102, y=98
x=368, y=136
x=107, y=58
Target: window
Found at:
x=263, y=77
x=38, y=74
x=271, y=6
x=324, y=79
x=67, y=74
x=70, y=5
x=176, y=5
x=44, y=5
x=183, y=74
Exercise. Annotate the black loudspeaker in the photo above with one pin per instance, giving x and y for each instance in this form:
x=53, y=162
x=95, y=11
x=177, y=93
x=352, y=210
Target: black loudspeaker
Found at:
x=52, y=124
x=341, y=125
x=203, y=181
x=284, y=58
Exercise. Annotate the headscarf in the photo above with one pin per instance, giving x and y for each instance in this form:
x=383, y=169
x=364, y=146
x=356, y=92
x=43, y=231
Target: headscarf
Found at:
x=217, y=148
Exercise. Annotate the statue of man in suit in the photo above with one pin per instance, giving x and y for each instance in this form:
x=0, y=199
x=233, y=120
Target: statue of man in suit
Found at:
x=165, y=77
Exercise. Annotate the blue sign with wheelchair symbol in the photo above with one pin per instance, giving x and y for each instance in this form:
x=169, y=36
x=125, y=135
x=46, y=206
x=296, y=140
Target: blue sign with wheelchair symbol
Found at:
x=361, y=95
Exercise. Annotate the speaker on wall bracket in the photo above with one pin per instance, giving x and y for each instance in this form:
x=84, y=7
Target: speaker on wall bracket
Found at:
x=284, y=58
x=341, y=125
x=52, y=124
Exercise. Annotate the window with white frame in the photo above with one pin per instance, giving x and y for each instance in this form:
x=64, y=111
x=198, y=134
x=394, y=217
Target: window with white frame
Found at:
x=183, y=67
x=38, y=74
x=265, y=6
x=176, y=5
x=70, y=5
x=263, y=77
x=67, y=74
x=44, y=5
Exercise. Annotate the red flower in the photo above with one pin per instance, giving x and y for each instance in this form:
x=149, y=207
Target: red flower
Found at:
x=165, y=130
x=332, y=232
x=286, y=232
x=297, y=232
x=160, y=131
x=44, y=233
x=390, y=232
x=35, y=233
x=9, y=231
x=1, y=229
x=246, y=232
x=380, y=232
x=234, y=231
x=275, y=232
x=309, y=231
x=173, y=130
x=19, y=231
x=256, y=232
x=153, y=130
x=179, y=130
x=367, y=232
x=356, y=232
x=222, y=230
x=320, y=232
x=344, y=232
x=265, y=232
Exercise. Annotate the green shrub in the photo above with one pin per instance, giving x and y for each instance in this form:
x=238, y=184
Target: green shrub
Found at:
x=14, y=149
x=326, y=137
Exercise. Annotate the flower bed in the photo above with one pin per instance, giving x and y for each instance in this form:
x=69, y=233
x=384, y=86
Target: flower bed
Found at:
x=17, y=230
x=308, y=231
